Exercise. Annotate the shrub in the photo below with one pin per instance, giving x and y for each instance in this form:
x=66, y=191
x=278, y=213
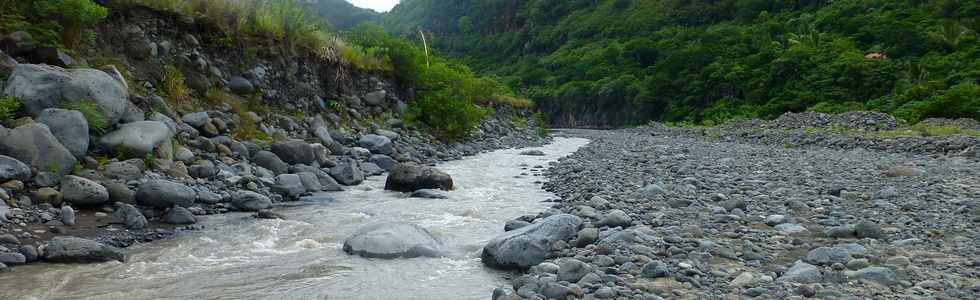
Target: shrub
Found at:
x=9, y=106
x=175, y=87
x=96, y=121
x=446, y=112
x=73, y=16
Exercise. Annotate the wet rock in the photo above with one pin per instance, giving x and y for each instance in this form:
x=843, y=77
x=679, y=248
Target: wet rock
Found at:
x=408, y=178
x=530, y=245
x=393, y=240
x=165, y=194
x=430, y=194
x=180, y=216
x=384, y=162
x=250, y=201
x=532, y=153
x=68, y=215
x=348, y=173
x=515, y=224
x=64, y=249
x=12, y=259
x=29, y=252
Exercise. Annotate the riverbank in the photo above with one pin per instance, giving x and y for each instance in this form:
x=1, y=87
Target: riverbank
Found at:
x=766, y=210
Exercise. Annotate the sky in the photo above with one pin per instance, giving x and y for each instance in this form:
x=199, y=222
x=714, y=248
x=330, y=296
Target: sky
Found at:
x=378, y=5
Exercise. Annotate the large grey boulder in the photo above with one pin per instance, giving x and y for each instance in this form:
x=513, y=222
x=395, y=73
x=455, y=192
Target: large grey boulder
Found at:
x=384, y=162
x=347, y=172
x=289, y=186
x=802, y=272
x=180, y=216
x=67, y=249
x=197, y=119
x=250, y=201
x=327, y=183
x=376, y=144
x=270, y=161
x=294, y=152
x=40, y=87
x=83, y=192
x=164, y=194
x=528, y=246
x=310, y=181
x=393, y=240
x=70, y=128
x=409, y=177
x=33, y=144
x=129, y=216
x=13, y=169
x=137, y=138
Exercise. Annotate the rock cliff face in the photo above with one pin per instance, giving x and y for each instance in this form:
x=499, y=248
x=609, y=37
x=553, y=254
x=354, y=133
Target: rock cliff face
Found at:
x=148, y=42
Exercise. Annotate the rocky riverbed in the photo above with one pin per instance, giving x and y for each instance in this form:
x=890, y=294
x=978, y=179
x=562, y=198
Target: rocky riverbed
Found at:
x=663, y=212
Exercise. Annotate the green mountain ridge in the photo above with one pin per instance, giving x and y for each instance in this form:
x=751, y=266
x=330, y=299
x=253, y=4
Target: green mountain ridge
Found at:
x=343, y=15
x=620, y=62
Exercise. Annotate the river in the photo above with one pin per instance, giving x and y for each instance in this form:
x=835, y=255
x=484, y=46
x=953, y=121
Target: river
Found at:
x=239, y=257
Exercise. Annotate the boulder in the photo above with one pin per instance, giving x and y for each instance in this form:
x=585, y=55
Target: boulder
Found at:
x=384, y=162
x=310, y=181
x=270, y=161
x=347, y=172
x=13, y=169
x=164, y=194
x=68, y=215
x=124, y=170
x=377, y=144
x=802, y=272
x=52, y=56
x=528, y=246
x=240, y=85
x=197, y=119
x=289, y=186
x=179, y=216
x=40, y=87
x=69, y=127
x=33, y=144
x=430, y=194
x=138, y=138
x=393, y=240
x=83, y=192
x=532, y=153
x=67, y=249
x=409, y=178
x=250, y=201
x=294, y=152
x=130, y=216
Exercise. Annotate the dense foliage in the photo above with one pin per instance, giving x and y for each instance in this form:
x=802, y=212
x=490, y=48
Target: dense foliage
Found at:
x=616, y=62
x=342, y=15
x=59, y=23
x=446, y=93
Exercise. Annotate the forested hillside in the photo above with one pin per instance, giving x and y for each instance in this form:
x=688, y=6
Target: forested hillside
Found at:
x=618, y=62
x=342, y=15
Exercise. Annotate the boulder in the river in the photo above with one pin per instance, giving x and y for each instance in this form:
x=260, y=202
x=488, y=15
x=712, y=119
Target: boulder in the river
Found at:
x=179, y=215
x=68, y=249
x=410, y=178
x=528, y=246
x=393, y=240
x=347, y=172
x=430, y=194
x=250, y=201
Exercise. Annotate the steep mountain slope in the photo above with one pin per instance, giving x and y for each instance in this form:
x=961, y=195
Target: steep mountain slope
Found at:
x=616, y=62
x=342, y=15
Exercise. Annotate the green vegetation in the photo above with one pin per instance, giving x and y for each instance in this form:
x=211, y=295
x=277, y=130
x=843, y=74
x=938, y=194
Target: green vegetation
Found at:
x=55, y=23
x=447, y=92
x=175, y=87
x=618, y=62
x=9, y=106
x=923, y=130
x=97, y=124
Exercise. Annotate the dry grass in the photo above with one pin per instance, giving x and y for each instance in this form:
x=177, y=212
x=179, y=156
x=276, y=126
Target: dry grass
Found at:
x=512, y=101
x=175, y=88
